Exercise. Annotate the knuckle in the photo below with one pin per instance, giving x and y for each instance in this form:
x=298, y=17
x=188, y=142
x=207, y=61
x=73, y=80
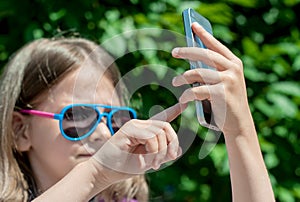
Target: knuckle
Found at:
x=210, y=56
x=166, y=125
x=186, y=75
x=189, y=93
x=239, y=62
x=161, y=132
x=199, y=72
x=237, y=66
x=133, y=121
x=195, y=92
x=230, y=78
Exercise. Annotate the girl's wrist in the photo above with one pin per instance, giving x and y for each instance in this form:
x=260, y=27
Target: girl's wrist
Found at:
x=242, y=125
x=245, y=129
x=243, y=138
x=100, y=175
x=103, y=176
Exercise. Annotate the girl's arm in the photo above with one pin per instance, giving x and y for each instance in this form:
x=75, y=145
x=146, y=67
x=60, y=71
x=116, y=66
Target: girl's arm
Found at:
x=82, y=183
x=226, y=91
x=127, y=153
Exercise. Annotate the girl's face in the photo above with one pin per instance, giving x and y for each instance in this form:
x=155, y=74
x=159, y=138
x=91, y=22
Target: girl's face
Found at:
x=51, y=155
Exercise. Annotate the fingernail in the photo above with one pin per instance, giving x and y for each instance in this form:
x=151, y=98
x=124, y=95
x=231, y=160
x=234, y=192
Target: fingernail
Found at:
x=197, y=24
x=174, y=81
x=178, y=80
x=175, y=52
x=179, y=152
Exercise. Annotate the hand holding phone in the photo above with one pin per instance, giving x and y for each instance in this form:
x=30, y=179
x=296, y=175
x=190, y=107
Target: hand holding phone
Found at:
x=203, y=108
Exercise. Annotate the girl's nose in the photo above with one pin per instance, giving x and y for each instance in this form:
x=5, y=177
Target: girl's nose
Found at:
x=102, y=133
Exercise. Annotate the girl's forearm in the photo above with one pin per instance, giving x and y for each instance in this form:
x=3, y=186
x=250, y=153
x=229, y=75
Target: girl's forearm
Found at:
x=249, y=176
x=80, y=184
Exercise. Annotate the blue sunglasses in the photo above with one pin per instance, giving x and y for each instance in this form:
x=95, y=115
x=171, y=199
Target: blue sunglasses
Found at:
x=78, y=121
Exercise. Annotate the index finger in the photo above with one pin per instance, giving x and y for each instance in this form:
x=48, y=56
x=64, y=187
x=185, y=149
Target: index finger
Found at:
x=170, y=113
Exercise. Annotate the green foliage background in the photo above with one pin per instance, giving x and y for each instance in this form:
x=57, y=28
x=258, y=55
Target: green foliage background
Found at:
x=263, y=33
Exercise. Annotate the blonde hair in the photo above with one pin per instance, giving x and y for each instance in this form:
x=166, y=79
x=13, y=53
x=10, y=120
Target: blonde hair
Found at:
x=26, y=78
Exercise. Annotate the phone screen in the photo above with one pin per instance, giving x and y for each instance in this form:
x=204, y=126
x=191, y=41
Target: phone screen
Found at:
x=203, y=108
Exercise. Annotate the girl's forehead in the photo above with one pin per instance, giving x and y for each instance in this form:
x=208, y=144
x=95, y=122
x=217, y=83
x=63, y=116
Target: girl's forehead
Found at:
x=84, y=85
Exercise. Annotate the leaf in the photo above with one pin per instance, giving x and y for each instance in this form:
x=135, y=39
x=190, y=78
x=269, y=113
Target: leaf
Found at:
x=264, y=107
x=187, y=184
x=291, y=88
x=251, y=72
x=289, y=48
x=283, y=106
x=296, y=63
x=55, y=16
x=291, y=2
x=244, y=3
x=250, y=47
x=266, y=146
x=220, y=159
x=222, y=32
x=217, y=13
x=147, y=46
x=271, y=160
x=285, y=194
x=115, y=45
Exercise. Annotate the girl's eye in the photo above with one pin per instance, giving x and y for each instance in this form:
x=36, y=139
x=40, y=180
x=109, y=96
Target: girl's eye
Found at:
x=68, y=115
x=79, y=113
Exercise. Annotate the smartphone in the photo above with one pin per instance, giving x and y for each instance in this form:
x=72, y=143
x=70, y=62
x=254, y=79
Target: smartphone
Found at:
x=203, y=108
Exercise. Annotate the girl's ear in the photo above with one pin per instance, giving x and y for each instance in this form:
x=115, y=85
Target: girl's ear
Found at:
x=21, y=133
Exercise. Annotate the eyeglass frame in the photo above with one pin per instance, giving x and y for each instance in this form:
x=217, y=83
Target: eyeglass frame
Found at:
x=60, y=117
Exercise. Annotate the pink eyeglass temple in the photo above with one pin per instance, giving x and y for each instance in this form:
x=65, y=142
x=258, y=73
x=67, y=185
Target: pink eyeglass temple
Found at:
x=39, y=113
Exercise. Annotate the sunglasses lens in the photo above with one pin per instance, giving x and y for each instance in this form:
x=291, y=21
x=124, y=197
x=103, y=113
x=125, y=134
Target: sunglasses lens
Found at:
x=119, y=118
x=79, y=120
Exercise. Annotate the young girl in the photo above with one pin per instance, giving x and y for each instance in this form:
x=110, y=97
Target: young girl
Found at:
x=58, y=109
x=46, y=160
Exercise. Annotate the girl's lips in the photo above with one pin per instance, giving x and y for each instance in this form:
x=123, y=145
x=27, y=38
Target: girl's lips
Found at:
x=85, y=155
x=86, y=152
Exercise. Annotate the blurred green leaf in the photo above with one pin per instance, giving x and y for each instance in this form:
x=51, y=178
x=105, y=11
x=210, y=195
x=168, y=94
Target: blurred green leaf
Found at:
x=266, y=146
x=283, y=106
x=296, y=63
x=220, y=159
x=217, y=13
x=250, y=47
x=244, y=3
x=116, y=45
x=285, y=195
x=296, y=190
x=187, y=184
x=264, y=107
x=291, y=2
x=291, y=88
x=271, y=160
x=57, y=15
